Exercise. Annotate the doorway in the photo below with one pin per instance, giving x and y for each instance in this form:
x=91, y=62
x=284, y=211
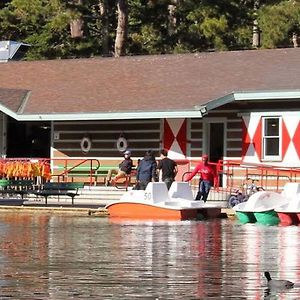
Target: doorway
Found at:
x=28, y=139
x=216, y=141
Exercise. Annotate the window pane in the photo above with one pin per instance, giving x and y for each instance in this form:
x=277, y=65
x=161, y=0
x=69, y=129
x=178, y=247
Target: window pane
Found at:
x=272, y=146
x=272, y=127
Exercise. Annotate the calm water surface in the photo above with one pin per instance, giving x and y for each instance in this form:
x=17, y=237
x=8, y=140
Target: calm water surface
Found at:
x=63, y=257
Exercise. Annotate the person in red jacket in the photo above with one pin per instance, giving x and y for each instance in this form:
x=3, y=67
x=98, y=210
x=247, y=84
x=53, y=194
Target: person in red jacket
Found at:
x=208, y=178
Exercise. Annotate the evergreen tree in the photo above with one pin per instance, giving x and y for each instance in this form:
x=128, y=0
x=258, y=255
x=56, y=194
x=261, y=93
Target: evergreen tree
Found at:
x=85, y=28
x=278, y=23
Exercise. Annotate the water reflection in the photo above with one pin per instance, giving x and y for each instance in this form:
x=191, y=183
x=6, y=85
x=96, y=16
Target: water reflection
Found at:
x=63, y=257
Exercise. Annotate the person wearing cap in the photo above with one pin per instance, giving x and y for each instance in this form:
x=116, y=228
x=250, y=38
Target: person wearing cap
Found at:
x=124, y=169
x=208, y=178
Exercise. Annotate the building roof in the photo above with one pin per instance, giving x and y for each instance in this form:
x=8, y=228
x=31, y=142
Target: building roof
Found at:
x=144, y=86
x=12, y=50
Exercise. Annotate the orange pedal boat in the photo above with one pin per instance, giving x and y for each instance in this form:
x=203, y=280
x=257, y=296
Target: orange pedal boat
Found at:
x=156, y=202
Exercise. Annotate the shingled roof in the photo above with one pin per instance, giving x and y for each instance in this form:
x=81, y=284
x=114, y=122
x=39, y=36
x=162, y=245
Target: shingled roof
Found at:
x=134, y=86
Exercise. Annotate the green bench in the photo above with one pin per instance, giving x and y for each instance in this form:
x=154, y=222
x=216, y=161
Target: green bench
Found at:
x=103, y=170
x=100, y=172
x=85, y=172
x=69, y=189
x=19, y=187
x=80, y=171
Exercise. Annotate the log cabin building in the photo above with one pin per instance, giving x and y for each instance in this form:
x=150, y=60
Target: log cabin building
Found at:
x=239, y=106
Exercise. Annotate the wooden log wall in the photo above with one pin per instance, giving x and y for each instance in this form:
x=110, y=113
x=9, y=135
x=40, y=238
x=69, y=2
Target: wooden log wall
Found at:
x=233, y=135
x=141, y=135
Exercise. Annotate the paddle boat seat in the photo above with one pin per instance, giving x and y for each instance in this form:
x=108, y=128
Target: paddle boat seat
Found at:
x=181, y=190
x=156, y=192
x=179, y=195
x=291, y=189
x=292, y=206
x=262, y=201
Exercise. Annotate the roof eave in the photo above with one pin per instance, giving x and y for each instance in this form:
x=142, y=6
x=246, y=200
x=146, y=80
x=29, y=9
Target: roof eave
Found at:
x=7, y=111
x=197, y=112
x=108, y=116
x=267, y=95
x=254, y=96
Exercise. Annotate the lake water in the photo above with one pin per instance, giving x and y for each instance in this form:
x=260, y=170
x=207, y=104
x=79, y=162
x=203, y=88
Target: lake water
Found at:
x=66, y=257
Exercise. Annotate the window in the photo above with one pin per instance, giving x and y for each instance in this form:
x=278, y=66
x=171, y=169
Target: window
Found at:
x=271, y=138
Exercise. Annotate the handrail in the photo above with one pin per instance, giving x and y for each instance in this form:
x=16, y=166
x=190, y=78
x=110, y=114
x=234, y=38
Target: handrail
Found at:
x=68, y=170
x=82, y=162
x=183, y=176
x=268, y=175
x=232, y=171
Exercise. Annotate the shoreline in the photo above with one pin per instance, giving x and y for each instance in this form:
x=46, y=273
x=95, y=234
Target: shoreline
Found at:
x=101, y=212
x=87, y=211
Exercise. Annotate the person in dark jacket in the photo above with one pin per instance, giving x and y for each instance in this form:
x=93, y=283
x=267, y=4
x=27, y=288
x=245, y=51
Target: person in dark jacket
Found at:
x=124, y=169
x=146, y=171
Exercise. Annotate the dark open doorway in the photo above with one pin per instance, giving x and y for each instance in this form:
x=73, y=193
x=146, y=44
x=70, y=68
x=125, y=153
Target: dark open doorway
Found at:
x=28, y=139
x=216, y=141
x=216, y=144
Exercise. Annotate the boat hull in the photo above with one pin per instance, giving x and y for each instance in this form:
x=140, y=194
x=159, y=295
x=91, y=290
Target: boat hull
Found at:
x=145, y=211
x=288, y=218
x=246, y=217
x=269, y=217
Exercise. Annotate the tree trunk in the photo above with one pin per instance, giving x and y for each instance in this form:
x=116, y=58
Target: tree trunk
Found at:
x=105, y=24
x=255, y=28
x=76, y=28
x=295, y=40
x=172, y=18
x=255, y=35
x=76, y=25
x=172, y=15
x=121, y=36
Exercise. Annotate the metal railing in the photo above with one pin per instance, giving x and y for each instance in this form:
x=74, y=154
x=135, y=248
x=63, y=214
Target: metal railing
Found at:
x=231, y=174
x=73, y=164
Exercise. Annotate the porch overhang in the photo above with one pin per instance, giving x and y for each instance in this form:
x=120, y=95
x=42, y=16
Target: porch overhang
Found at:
x=254, y=96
